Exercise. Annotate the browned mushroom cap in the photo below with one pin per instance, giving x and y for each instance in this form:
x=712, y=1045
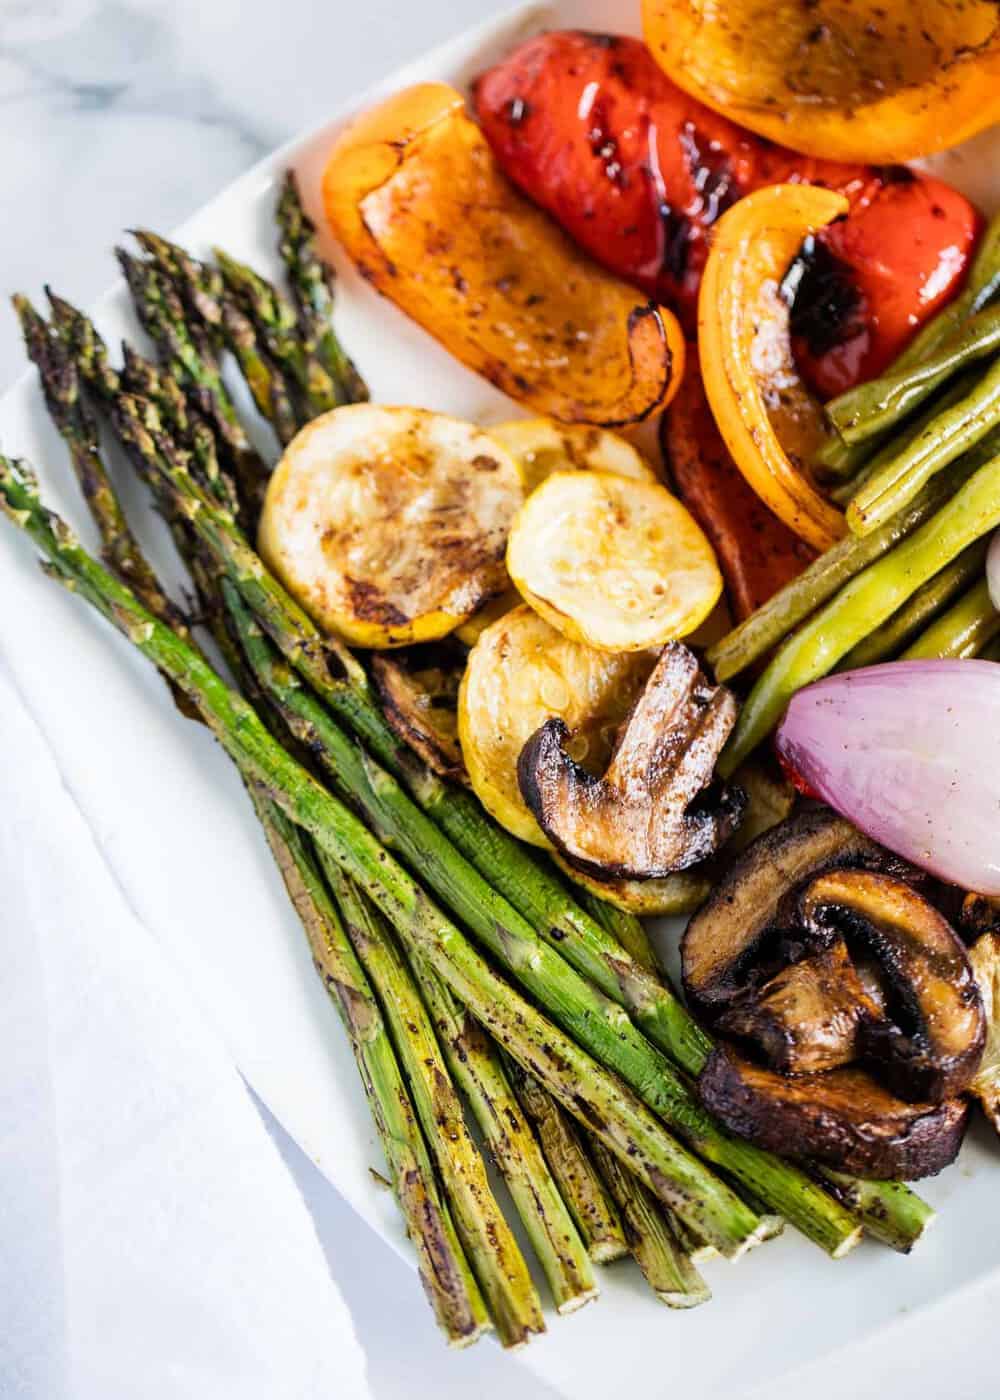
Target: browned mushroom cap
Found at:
x=418, y=687
x=807, y=1018
x=979, y=914
x=928, y=1044
x=842, y=1119
x=985, y=958
x=734, y=943
x=640, y=820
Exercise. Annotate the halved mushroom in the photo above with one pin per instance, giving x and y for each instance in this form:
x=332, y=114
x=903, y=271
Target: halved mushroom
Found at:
x=985, y=958
x=842, y=1119
x=928, y=1042
x=807, y=1018
x=419, y=692
x=736, y=942
x=649, y=815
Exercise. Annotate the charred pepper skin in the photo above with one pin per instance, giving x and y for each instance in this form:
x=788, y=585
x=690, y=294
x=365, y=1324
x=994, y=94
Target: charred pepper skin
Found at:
x=637, y=172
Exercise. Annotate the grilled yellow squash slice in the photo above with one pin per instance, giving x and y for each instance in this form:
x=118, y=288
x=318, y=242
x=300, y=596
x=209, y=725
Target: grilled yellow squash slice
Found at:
x=541, y=446
x=520, y=673
x=389, y=524
x=618, y=564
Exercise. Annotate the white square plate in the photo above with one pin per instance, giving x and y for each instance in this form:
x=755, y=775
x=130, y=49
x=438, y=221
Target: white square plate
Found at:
x=173, y=824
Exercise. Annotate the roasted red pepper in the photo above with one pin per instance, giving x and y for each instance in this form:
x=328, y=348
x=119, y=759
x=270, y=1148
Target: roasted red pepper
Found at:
x=637, y=171
x=757, y=554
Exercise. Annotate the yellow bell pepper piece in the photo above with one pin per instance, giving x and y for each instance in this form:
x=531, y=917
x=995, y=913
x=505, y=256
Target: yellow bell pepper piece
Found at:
x=770, y=422
x=870, y=80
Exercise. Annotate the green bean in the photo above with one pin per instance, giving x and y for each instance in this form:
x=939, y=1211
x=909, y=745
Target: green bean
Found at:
x=880, y=404
x=867, y=601
x=844, y=460
x=929, y=601
x=962, y=631
x=949, y=435
x=955, y=391
x=772, y=622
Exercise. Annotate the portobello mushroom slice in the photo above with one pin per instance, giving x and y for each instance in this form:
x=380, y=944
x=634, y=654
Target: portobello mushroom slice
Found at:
x=842, y=1119
x=418, y=688
x=806, y=1019
x=653, y=812
x=928, y=1043
x=739, y=939
x=985, y=959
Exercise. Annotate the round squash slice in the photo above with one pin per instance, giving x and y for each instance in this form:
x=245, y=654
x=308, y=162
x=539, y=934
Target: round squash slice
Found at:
x=520, y=673
x=617, y=564
x=541, y=446
x=389, y=524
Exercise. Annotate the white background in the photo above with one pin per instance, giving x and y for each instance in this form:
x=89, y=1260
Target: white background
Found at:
x=116, y=113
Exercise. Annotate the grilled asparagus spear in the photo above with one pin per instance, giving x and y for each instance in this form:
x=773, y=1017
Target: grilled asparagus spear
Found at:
x=610, y=1109
x=312, y=281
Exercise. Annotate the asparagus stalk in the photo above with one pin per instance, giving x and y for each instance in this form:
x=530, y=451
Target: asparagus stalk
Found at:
x=655, y=1247
x=278, y=325
x=892, y=1214
x=491, y=1249
x=625, y=928
x=592, y=1019
x=312, y=283
x=610, y=1109
x=204, y=292
x=444, y=1270
x=75, y=424
x=475, y=1067
x=582, y=1188
x=187, y=352
x=189, y=430
x=787, y=1190
x=141, y=377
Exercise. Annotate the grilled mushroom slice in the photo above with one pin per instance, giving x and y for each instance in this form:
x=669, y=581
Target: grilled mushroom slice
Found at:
x=928, y=1043
x=985, y=958
x=979, y=914
x=419, y=691
x=842, y=1119
x=807, y=1018
x=738, y=939
x=650, y=814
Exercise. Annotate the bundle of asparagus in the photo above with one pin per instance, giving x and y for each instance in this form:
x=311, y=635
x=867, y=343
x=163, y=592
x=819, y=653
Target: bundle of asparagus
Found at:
x=423, y=1009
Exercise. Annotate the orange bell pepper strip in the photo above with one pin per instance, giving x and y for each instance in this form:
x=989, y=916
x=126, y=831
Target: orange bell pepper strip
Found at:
x=414, y=194
x=757, y=554
x=873, y=80
x=769, y=421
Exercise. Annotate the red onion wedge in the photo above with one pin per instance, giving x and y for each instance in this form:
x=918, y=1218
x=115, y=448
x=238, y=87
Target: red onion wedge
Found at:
x=993, y=569
x=910, y=753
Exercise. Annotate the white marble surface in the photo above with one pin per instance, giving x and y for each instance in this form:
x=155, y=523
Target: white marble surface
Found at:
x=123, y=111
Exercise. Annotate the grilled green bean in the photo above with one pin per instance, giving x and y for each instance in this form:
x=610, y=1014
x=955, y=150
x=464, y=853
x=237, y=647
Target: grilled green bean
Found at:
x=946, y=437
x=929, y=601
x=963, y=631
x=866, y=602
x=955, y=391
x=844, y=460
x=880, y=404
x=771, y=623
